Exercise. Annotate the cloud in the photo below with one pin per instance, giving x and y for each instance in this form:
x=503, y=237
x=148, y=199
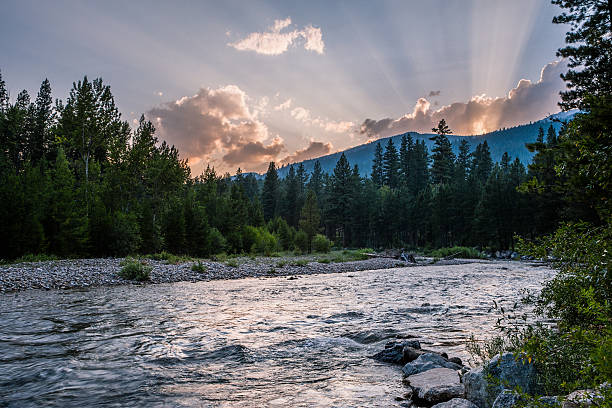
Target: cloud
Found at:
x=314, y=149
x=528, y=101
x=254, y=153
x=217, y=125
x=433, y=93
x=284, y=106
x=303, y=115
x=275, y=42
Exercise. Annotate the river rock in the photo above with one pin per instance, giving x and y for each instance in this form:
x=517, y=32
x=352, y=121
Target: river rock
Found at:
x=510, y=399
x=394, y=351
x=426, y=362
x=582, y=399
x=435, y=385
x=455, y=403
x=506, y=372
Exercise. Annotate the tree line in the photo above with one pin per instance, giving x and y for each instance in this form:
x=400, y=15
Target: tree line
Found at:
x=77, y=180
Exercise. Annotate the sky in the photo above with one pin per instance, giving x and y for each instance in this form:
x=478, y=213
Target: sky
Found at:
x=238, y=84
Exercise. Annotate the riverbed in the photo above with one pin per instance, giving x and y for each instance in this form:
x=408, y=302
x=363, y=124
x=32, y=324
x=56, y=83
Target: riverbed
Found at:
x=297, y=341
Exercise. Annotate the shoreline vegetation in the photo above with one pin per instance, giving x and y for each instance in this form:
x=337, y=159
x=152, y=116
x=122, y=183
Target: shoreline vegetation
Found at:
x=46, y=272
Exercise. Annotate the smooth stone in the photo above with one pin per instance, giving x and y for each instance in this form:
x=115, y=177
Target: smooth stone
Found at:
x=436, y=385
x=427, y=362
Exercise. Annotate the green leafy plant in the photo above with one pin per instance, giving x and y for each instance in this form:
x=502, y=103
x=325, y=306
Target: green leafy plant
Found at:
x=198, y=267
x=134, y=269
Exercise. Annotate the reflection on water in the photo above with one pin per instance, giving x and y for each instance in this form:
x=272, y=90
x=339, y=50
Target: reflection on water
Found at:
x=245, y=343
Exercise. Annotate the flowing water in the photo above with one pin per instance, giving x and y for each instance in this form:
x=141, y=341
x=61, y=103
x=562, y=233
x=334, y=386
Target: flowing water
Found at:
x=243, y=343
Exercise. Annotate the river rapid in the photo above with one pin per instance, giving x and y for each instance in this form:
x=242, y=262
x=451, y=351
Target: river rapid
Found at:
x=252, y=342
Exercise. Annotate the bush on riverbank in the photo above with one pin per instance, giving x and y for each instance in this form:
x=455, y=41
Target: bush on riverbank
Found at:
x=133, y=269
x=573, y=352
x=320, y=243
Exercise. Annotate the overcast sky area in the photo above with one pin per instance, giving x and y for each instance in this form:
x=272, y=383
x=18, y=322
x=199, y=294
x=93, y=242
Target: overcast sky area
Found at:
x=239, y=84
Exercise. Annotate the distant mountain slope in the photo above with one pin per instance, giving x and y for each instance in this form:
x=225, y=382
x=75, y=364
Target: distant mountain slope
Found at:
x=511, y=140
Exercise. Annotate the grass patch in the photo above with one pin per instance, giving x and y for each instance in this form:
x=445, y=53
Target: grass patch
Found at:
x=32, y=258
x=133, y=269
x=170, y=258
x=281, y=264
x=198, y=267
x=300, y=262
x=324, y=260
x=456, y=252
x=232, y=263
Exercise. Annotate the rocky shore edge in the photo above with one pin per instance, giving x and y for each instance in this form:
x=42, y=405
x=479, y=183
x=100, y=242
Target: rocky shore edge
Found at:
x=433, y=379
x=86, y=273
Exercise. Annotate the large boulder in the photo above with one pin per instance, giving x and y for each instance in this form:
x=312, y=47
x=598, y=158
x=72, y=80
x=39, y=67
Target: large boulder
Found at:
x=435, y=386
x=510, y=399
x=455, y=403
x=485, y=383
x=426, y=362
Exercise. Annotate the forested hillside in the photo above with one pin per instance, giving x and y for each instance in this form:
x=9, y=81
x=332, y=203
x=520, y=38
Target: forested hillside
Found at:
x=76, y=180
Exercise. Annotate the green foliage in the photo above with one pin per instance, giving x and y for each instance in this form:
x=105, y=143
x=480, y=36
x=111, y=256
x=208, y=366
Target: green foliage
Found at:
x=170, y=259
x=320, y=243
x=261, y=241
x=310, y=218
x=300, y=262
x=457, y=252
x=133, y=269
x=33, y=258
x=232, y=263
x=198, y=267
x=216, y=241
x=301, y=241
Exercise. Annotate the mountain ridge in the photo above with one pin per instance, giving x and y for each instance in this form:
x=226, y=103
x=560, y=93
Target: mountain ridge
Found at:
x=511, y=140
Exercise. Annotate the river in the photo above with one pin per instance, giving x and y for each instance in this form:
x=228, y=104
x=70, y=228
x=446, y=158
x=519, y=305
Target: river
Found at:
x=243, y=343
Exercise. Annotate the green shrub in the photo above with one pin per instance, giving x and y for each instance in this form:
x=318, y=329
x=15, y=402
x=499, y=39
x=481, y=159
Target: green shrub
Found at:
x=456, y=252
x=169, y=258
x=281, y=264
x=301, y=241
x=300, y=262
x=198, y=267
x=133, y=269
x=324, y=260
x=320, y=243
x=266, y=243
x=232, y=263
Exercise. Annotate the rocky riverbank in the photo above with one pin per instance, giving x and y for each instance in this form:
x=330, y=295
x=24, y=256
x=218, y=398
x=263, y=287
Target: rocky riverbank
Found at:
x=435, y=380
x=84, y=273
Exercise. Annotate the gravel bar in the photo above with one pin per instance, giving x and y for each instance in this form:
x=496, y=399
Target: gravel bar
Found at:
x=84, y=273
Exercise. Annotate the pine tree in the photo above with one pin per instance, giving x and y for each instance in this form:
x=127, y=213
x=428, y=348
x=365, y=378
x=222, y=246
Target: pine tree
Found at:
x=443, y=156
x=310, y=217
x=391, y=165
x=291, y=198
x=406, y=157
x=40, y=139
x=67, y=229
x=482, y=164
x=588, y=50
x=339, y=206
x=270, y=193
x=316, y=180
x=377, y=166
